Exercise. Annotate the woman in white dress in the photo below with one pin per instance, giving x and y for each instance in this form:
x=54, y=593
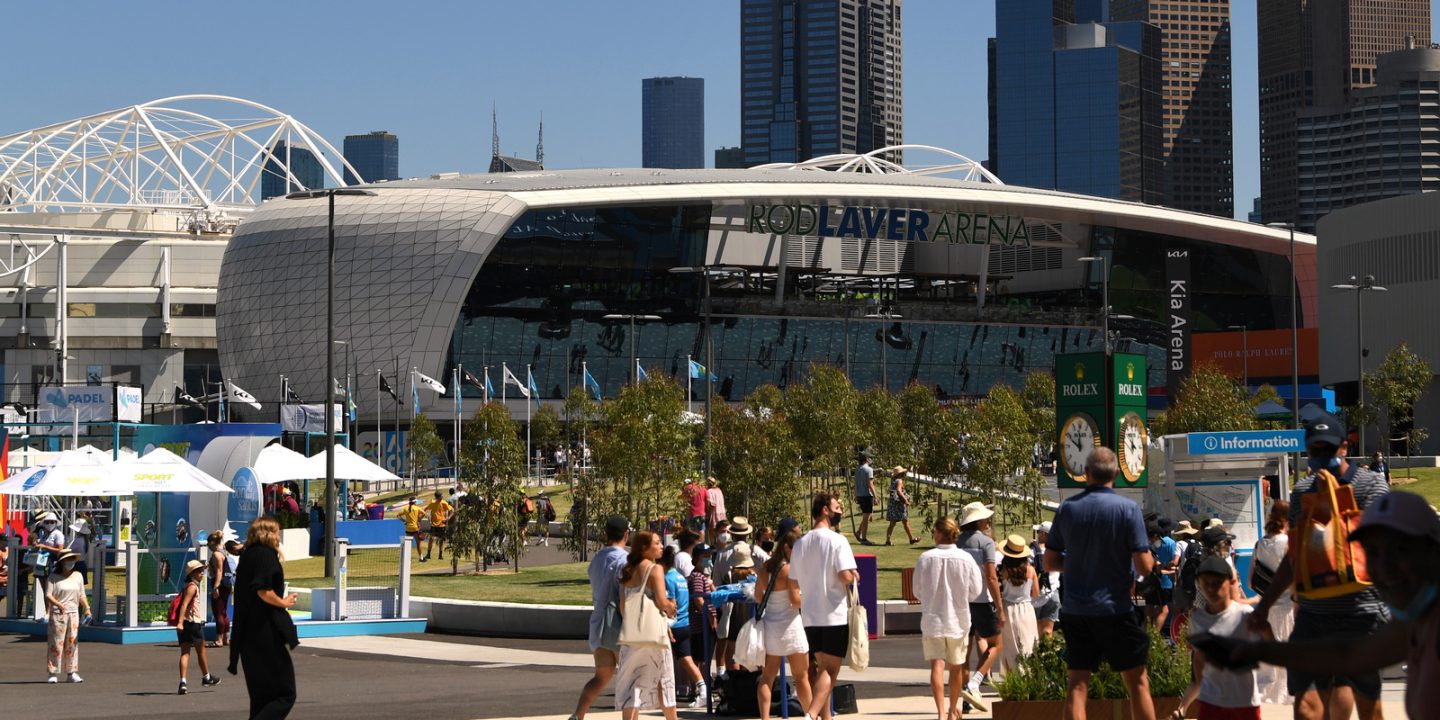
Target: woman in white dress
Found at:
x=784, y=634
x=646, y=679
x=1269, y=551
x=1019, y=589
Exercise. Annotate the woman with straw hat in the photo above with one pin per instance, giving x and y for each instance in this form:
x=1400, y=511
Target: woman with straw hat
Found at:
x=64, y=599
x=1019, y=590
x=898, y=508
x=190, y=627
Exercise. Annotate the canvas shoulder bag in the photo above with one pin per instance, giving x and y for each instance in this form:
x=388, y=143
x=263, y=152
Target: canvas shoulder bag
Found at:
x=750, y=643
x=857, y=655
x=642, y=622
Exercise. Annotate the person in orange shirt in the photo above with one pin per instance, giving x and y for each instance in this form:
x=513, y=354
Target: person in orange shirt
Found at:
x=440, y=514
x=411, y=515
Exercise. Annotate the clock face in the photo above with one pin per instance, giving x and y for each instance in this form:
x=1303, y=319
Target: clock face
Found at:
x=1134, y=446
x=1078, y=438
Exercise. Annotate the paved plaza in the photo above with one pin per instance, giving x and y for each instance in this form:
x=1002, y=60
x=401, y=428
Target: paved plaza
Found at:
x=438, y=677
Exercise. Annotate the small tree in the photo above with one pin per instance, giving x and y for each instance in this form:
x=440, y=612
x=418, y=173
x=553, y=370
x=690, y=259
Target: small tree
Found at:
x=997, y=441
x=754, y=456
x=823, y=414
x=427, y=450
x=645, y=445
x=1210, y=401
x=546, y=431
x=1038, y=397
x=1396, y=386
x=492, y=463
x=932, y=430
x=882, y=428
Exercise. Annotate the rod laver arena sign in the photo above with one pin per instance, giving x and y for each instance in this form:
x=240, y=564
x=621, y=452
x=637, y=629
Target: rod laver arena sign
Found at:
x=880, y=223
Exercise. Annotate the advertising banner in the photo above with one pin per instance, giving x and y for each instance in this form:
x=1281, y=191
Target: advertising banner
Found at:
x=1130, y=432
x=1081, y=419
x=129, y=404
x=1269, y=352
x=309, y=418
x=1177, y=352
x=71, y=403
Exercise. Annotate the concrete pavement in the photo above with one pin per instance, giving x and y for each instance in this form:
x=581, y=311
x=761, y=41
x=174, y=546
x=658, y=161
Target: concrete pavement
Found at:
x=438, y=677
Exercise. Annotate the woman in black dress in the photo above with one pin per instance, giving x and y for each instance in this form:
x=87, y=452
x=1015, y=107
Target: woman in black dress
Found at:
x=263, y=634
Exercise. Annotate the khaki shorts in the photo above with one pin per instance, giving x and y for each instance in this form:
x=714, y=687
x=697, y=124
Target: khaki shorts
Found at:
x=951, y=650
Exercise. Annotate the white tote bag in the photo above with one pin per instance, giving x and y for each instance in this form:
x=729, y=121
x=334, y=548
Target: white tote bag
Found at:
x=750, y=644
x=857, y=656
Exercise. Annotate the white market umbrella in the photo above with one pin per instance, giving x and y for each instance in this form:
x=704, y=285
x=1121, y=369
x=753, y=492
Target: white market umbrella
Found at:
x=82, y=472
x=161, y=471
x=348, y=466
x=277, y=463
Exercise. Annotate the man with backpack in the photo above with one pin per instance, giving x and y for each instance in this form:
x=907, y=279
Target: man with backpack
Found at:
x=1336, y=598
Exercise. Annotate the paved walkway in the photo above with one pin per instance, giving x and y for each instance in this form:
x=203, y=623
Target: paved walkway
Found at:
x=438, y=677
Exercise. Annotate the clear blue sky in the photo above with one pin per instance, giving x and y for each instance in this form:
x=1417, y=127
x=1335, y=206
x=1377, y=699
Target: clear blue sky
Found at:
x=429, y=71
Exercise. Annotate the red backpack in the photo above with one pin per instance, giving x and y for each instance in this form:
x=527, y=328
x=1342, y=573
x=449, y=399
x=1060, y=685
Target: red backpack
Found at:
x=173, y=617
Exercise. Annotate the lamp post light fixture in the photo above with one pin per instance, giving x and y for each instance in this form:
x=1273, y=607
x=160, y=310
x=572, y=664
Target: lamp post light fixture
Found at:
x=707, y=272
x=330, y=504
x=1294, y=332
x=1244, y=352
x=1104, y=296
x=1360, y=286
x=632, y=318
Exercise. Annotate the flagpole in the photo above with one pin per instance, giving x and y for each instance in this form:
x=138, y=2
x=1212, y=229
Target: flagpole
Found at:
x=379, y=430
x=414, y=397
x=689, y=378
x=399, y=464
x=459, y=413
x=529, y=453
x=485, y=391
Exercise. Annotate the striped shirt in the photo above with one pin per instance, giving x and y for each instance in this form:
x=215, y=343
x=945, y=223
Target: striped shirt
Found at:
x=1368, y=486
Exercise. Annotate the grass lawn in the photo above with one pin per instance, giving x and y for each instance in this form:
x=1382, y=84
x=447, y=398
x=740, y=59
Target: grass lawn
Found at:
x=1427, y=482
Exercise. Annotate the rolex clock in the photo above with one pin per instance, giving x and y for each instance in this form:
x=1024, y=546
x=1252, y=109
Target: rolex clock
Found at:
x=1079, y=437
x=1133, y=446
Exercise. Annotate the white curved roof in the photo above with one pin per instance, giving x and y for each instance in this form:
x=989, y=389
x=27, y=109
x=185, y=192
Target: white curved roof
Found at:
x=188, y=152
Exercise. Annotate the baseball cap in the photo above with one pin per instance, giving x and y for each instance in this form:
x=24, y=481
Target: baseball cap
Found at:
x=1042, y=527
x=1324, y=428
x=1215, y=566
x=1403, y=512
x=786, y=525
x=617, y=525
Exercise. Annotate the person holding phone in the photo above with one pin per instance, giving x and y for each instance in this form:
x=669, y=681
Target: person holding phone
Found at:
x=64, y=599
x=263, y=633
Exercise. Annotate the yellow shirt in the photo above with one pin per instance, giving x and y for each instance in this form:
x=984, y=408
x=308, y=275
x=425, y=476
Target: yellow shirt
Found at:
x=411, y=516
x=439, y=512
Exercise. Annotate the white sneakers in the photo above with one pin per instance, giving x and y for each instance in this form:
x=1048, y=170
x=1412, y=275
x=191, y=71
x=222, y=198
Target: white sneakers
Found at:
x=75, y=678
x=52, y=680
x=701, y=695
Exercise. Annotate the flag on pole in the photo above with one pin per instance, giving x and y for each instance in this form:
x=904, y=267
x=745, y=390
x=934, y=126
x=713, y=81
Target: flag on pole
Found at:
x=290, y=395
x=534, y=391
x=697, y=372
x=456, y=382
x=640, y=374
x=429, y=382
x=591, y=383
x=470, y=378
x=184, y=398
x=489, y=388
x=238, y=394
x=415, y=395
x=385, y=387
x=509, y=379
x=340, y=390
x=350, y=402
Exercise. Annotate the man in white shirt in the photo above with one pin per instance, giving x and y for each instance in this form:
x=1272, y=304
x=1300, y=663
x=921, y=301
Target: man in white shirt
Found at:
x=947, y=580
x=824, y=566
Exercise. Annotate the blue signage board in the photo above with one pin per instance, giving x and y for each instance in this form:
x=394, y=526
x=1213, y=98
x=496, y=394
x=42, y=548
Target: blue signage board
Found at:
x=1249, y=442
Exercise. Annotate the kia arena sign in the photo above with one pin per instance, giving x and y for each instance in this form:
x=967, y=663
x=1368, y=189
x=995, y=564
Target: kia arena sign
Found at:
x=909, y=225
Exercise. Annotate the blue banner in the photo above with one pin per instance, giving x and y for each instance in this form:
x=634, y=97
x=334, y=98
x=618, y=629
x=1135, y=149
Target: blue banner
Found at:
x=1247, y=442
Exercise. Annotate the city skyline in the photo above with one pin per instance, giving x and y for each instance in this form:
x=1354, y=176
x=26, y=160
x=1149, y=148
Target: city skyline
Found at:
x=435, y=86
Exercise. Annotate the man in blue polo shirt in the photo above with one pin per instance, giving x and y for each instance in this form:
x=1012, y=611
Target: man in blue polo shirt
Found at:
x=1098, y=544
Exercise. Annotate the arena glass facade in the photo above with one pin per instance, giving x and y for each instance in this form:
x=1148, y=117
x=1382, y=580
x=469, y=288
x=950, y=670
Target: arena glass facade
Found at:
x=897, y=279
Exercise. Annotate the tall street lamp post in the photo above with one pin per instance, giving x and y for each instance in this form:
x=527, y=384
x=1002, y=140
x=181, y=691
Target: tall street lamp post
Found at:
x=1105, y=298
x=708, y=272
x=1244, y=352
x=629, y=488
x=1294, y=333
x=1360, y=286
x=330, y=504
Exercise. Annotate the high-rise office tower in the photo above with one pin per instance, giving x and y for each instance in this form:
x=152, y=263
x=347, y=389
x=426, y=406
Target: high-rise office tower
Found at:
x=673, y=122
x=1195, y=97
x=303, y=164
x=1076, y=100
x=819, y=77
x=375, y=155
x=731, y=158
x=1313, y=56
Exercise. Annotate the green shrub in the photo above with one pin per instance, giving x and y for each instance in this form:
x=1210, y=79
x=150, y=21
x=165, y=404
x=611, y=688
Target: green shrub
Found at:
x=1042, y=674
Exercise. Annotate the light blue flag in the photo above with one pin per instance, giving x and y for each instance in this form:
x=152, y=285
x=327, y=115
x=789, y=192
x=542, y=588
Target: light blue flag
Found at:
x=591, y=383
x=455, y=382
x=415, y=395
x=640, y=374
x=534, y=391
x=350, y=402
x=697, y=372
x=489, y=388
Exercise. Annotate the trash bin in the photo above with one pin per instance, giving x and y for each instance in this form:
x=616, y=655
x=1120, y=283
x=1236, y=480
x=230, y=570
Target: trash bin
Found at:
x=376, y=512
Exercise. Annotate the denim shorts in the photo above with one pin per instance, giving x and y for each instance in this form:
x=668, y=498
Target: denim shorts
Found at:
x=1314, y=626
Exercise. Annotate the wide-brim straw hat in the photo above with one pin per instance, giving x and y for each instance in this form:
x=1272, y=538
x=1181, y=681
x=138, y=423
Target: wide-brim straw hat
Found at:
x=741, y=557
x=1185, y=529
x=899, y=470
x=975, y=512
x=1015, y=547
x=66, y=555
x=192, y=566
x=740, y=526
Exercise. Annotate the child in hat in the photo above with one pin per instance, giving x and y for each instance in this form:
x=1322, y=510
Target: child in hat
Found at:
x=191, y=628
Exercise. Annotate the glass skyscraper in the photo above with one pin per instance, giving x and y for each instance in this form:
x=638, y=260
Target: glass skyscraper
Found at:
x=673, y=117
x=375, y=155
x=819, y=77
x=1077, y=105
x=308, y=174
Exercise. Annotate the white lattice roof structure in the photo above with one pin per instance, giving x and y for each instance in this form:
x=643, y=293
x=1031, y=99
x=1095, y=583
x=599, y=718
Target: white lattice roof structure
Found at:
x=203, y=154
x=953, y=163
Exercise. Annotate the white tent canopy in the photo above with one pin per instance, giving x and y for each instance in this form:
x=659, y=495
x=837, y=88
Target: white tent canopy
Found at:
x=348, y=466
x=277, y=463
x=160, y=471
x=82, y=472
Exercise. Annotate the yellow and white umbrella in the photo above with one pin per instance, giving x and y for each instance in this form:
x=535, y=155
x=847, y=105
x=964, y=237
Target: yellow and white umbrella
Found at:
x=82, y=472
